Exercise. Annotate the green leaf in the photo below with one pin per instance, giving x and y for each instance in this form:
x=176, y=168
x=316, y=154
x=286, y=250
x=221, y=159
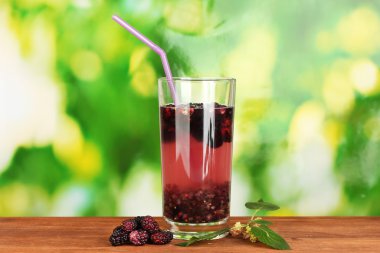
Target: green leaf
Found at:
x=209, y=236
x=261, y=205
x=267, y=236
x=262, y=222
x=189, y=242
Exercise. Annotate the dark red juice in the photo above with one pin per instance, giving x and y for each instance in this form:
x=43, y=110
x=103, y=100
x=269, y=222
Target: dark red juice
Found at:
x=196, y=153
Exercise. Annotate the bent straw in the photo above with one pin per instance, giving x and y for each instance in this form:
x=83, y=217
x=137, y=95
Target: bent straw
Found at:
x=156, y=49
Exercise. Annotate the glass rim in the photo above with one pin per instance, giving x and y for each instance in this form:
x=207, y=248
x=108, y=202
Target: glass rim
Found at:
x=199, y=79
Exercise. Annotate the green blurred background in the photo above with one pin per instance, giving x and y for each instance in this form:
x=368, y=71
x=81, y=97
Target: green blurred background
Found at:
x=79, y=111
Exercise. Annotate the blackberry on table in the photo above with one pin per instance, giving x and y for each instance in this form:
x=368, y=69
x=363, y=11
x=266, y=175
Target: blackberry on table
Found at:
x=138, y=220
x=130, y=225
x=119, y=231
x=138, y=237
x=149, y=224
x=137, y=231
x=119, y=240
x=161, y=237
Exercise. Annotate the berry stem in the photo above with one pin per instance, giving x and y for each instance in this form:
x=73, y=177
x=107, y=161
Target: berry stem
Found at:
x=253, y=215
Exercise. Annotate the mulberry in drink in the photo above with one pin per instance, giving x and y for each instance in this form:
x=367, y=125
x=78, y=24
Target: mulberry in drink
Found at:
x=196, y=155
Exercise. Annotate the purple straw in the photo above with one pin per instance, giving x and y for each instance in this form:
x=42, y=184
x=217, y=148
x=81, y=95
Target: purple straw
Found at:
x=156, y=49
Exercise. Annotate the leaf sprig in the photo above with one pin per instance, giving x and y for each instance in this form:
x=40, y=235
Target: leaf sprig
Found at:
x=256, y=229
x=209, y=236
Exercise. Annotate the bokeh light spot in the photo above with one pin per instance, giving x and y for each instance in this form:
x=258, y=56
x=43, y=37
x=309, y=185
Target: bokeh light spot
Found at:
x=144, y=80
x=364, y=75
x=359, y=32
x=68, y=143
x=18, y=199
x=184, y=16
x=252, y=63
x=82, y=157
x=372, y=128
x=82, y=4
x=338, y=83
x=86, y=65
x=137, y=58
x=333, y=131
x=89, y=163
x=135, y=190
x=255, y=109
x=70, y=200
x=306, y=124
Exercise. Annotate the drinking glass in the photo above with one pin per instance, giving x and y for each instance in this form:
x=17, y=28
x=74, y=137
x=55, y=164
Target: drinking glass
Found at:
x=196, y=153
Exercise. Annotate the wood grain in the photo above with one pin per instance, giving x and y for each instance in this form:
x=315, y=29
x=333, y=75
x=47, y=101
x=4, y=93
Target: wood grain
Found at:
x=304, y=234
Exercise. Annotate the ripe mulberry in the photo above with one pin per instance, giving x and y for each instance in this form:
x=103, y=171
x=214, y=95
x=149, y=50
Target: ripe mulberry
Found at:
x=161, y=237
x=119, y=240
x=119, y=231
x=130, y=225
x=138, y=237
x=138, y=220
x=149, y=224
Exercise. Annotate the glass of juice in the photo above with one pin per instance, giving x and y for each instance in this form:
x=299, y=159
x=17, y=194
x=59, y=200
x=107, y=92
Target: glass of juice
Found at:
x=196, y=153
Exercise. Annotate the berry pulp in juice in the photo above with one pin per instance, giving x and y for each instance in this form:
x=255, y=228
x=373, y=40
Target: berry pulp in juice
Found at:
x=196, y=153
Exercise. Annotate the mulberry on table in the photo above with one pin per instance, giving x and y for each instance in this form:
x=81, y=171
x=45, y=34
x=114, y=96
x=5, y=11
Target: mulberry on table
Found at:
x=139, y=231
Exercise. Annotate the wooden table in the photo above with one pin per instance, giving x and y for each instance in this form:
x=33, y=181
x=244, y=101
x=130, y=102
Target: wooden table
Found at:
x=304, y=234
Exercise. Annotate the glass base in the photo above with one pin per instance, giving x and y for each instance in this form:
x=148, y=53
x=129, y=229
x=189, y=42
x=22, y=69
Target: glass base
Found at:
x=184, y=231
